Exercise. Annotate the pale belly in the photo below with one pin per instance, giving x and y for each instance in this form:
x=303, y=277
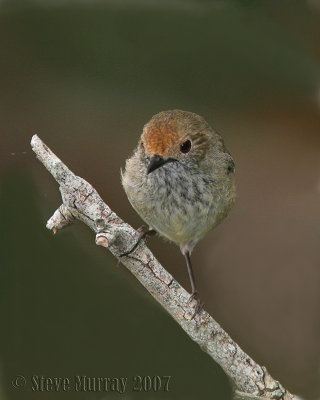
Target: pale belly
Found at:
x=182, y=210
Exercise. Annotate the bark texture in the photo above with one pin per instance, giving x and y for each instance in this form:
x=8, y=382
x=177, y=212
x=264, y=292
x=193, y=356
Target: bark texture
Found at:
x=80, y=201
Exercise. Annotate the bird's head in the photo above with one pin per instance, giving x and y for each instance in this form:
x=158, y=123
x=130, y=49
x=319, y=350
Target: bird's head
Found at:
x=175, y=136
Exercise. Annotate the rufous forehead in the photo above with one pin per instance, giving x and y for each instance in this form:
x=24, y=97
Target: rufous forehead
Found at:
x=160, y=139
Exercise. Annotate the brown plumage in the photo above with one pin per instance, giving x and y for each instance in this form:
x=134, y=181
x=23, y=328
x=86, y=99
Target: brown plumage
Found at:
x=180, y=180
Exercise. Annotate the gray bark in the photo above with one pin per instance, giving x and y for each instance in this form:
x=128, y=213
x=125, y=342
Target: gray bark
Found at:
x=80, y=201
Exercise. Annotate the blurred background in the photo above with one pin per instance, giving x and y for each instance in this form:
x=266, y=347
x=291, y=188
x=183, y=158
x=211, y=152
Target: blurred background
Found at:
x=86, y=76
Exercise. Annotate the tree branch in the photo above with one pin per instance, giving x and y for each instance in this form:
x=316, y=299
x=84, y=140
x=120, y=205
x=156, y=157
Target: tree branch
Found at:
x=80, y=201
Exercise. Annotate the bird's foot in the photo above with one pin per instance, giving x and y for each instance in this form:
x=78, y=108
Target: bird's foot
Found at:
x=144, y=231
x=199, y=305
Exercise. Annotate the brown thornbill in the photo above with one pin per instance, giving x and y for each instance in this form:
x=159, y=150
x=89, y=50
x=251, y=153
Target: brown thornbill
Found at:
x=180, y=180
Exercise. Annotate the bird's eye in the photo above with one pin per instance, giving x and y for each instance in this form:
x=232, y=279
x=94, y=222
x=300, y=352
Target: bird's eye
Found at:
x=185, y=146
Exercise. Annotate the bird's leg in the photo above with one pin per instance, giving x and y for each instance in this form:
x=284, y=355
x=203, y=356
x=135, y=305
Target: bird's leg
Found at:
x=195, y=293
x=143, y=232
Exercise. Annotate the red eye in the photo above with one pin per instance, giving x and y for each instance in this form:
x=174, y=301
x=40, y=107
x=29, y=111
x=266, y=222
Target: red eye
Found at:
x=185, y=146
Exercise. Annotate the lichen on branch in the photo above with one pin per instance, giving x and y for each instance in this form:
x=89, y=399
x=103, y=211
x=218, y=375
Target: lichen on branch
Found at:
x=80, y=201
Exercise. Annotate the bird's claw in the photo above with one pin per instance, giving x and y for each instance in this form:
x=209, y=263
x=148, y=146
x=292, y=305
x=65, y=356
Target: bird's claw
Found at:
x=199, y=305
x=143, y=232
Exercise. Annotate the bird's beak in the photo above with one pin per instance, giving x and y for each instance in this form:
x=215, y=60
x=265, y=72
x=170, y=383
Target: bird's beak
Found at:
x=157, y=161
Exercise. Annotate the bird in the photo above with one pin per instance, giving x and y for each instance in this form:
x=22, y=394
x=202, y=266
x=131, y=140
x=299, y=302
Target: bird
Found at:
x=180, y=180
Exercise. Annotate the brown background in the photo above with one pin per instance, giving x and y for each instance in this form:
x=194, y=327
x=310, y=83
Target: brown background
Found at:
x=85, y=78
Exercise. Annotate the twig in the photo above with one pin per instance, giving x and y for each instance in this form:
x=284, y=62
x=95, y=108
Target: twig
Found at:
x=80, y=201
